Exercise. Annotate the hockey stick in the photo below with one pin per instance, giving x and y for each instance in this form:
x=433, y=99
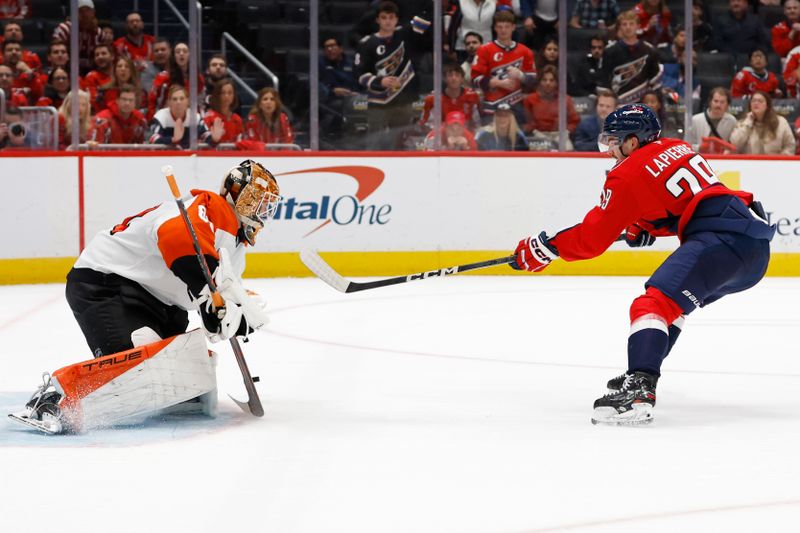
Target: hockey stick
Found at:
x=326, y=273
x=253, y=405
x=323, y=271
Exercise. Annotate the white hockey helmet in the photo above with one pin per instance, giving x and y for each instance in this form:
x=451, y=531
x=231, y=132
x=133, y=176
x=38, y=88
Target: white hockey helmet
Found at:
x=253, y=192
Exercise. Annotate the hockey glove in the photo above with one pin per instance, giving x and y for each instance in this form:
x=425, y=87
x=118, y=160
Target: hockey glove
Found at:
x=244, y=312
x=638, y=237
x=223, y=323
x=534, y=254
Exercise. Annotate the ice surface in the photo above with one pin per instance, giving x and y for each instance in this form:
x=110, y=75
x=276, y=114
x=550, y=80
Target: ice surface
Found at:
x=458, y=404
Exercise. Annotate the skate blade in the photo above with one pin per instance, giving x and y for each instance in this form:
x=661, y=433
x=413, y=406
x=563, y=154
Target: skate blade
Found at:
x=640, y=415
x=51, y=428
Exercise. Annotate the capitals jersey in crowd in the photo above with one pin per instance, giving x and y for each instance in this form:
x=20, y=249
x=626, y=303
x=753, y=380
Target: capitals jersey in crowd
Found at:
x=154, y=249
x=747, y=81
x=467, y=102
x=660, y=187
x=790, y=72
x=493, y=61
x=379, y=57
x=631, y=70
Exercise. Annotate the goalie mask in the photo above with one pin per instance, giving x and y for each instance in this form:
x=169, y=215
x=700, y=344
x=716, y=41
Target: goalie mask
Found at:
x=254, y=194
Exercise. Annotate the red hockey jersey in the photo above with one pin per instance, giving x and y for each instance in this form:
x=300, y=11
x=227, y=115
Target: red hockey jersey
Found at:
x=781, y=42
x=110, y=127
x=747, y=81
x=493, y=61
x=658, y=187
x=790, y=72
x=139, y=53
x=468, y=102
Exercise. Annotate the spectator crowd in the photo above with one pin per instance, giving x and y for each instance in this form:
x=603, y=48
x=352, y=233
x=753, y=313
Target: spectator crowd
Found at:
x=500, y=77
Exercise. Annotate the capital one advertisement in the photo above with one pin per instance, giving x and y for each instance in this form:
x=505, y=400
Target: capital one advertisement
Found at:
x=418, y=203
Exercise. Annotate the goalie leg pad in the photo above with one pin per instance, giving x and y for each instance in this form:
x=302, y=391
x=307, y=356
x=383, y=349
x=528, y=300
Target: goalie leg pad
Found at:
x=136, y=382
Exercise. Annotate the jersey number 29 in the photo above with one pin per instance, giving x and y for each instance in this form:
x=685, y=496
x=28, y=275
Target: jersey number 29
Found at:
x=689, y=178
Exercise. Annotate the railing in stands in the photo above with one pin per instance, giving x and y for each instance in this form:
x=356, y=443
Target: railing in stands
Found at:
x=156, y=147
x=227, y=37
x=179, y=16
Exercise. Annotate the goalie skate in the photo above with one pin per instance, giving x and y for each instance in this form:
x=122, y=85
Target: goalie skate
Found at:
x=42, y=411
x=48, y=424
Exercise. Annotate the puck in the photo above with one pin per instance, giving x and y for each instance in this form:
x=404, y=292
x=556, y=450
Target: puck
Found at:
x=256, y=379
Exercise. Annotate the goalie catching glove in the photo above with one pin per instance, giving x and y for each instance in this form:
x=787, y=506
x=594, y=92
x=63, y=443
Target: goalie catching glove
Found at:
x=243, y=312
x=534, y=254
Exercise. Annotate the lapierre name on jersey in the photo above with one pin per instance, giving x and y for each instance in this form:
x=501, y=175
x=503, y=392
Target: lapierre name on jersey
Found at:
x=665, y=159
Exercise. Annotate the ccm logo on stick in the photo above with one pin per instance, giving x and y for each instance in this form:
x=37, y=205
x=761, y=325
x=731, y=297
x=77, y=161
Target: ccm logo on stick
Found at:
x=433, y=273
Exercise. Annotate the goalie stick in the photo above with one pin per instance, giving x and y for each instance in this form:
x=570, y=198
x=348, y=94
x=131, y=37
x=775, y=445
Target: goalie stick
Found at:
x=326, y=273
x=253, y=405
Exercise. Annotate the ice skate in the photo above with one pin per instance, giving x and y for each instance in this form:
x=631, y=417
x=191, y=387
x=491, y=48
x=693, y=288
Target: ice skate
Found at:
x=631, y=404
x=42, y=412
x=615, y=384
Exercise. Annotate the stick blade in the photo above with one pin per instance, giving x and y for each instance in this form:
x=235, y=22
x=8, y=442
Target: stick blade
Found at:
x=323, y=270
x=256, y=409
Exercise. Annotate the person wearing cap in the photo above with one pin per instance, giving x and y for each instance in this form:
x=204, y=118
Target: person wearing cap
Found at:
x=89, y=34
x=503, y=134
x=454, y=134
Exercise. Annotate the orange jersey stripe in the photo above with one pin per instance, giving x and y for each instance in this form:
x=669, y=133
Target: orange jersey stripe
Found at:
x=208, y=213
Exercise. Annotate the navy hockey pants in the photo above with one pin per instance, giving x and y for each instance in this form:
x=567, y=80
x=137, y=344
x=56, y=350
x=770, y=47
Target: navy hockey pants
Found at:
x=709, y=265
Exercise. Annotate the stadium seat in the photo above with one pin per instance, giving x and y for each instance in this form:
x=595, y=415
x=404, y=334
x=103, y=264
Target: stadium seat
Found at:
x=770, y=15
x=296, y=11
x=715, y=64
x=709, y=82
x=787, y=108
x=344, y=12
x=265, y=11
x=738, y=107
x=297, y=61
x=283, y=36
x=46, y=9
x=578, y=39
x=584, y=105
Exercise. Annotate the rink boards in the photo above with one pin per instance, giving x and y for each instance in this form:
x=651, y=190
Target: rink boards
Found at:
x=385, y=214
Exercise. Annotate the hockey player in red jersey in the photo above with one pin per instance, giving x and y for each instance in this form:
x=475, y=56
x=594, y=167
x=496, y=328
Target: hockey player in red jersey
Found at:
x=134, y=285
x=660, y=187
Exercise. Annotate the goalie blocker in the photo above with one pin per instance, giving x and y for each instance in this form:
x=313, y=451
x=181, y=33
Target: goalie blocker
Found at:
x=132, y=383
